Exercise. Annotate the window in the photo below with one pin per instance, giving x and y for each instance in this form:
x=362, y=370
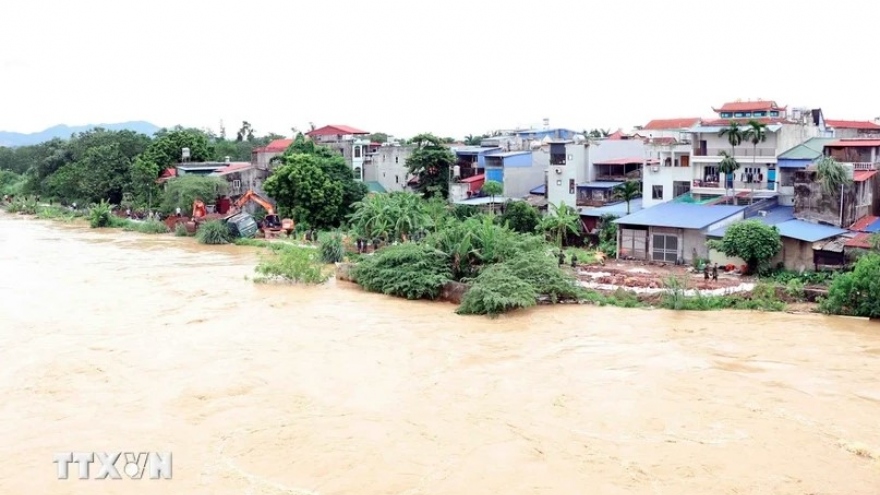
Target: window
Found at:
x=397, y=179
x=759, y=114
x=395, y=159
x=357, y=151
x=710, y=174
x=665, y=248
x=236, y=185
x=680, y=187
x=774, y=114
x=741, y=115
x=726, y=115
x=657, y=192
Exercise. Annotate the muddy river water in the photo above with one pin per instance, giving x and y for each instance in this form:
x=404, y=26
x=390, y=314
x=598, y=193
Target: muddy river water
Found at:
x=114, y=341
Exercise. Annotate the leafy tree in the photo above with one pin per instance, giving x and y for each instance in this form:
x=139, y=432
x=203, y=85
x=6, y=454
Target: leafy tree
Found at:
x=563, y=219
x=473, y=140
x=393, y=216
x=493, y=188
x=181, y=192
x=333, y=167
x=430, y=163
x=856, y=293
x=245, y=133
x=413, y=271
x=306, y=190
x=628, y=191
x=165, y=150
x=143, y=180
x=754, y=242
x=378, y=137
x=520, y=216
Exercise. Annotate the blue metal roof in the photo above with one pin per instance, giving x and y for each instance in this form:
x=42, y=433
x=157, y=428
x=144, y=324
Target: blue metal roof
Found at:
x=806, y=231
x=600, y=185
x=775, y=215
x=793, y=163
x=681, y=215
x=616, y=209
x=873, y=227
x=540, y=190
x=505, y=154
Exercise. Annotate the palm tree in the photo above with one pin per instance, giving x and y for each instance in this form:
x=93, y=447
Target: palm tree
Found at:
x=735, y=136
x=493, y=188
x=756, y=133
x=832, y=175
x=561, y=220
x=628, y=191
x=728, y=166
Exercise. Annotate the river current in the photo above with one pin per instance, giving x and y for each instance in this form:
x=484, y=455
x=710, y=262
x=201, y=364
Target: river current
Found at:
x=116, y=341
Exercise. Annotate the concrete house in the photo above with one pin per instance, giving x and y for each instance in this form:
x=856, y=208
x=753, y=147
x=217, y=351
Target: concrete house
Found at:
x=843, y=129
x=469, y=171
x=384, y=167
x=350, y=142
x=672, y=232
x=799, y=239
x=517, y=171
x=798, y=158
x=861, y=158
x=758, y=171
x=261, y=157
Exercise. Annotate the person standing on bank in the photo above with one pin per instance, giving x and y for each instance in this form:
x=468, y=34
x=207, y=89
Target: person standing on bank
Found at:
x=715, y=272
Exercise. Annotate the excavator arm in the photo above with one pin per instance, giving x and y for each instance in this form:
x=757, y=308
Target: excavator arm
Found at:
x=252, y=196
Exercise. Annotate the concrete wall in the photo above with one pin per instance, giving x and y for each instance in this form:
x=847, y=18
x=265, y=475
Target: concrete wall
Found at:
x=813, y=205
x=562, y=180
x=519, y=181
x=388, y=167
x=613, y=149
x=792, y=135
x=795, y=255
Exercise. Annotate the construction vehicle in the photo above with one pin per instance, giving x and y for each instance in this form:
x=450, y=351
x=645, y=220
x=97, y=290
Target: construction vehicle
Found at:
x=272, y=225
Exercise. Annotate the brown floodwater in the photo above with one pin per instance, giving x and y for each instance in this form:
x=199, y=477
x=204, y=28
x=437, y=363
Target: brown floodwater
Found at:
x=115, y=341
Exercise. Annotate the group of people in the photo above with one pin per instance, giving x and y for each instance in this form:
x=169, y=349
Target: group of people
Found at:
x=713, y=270
x=363, y=245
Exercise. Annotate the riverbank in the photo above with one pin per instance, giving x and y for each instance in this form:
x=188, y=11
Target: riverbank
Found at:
x=615, y=283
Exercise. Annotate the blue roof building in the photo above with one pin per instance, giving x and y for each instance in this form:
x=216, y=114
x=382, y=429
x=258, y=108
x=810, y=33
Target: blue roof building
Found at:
x=672, y=232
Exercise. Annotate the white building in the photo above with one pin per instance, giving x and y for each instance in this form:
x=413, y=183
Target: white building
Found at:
x=385, y=165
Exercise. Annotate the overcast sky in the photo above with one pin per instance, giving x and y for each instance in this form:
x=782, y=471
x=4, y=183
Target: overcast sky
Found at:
x=453, y=67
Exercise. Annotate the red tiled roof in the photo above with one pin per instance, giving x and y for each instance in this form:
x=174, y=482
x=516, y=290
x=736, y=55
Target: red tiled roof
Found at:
x=861, y=240
x=618, y=134
x=863, y=175
x=851, y=143
x=852, y=124
x=863, y=223
x=329, y=130
x=169, y=172
x=749, y=106
x=278, y=145
x=474, y=178
x=765, y=121
x=666, y=124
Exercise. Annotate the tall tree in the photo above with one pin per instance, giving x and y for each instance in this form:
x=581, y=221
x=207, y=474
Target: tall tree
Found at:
x=755, y=133
x=431, y=163
x=563, y=219
x=165, y=150
x=493, y=188
x=734, y=134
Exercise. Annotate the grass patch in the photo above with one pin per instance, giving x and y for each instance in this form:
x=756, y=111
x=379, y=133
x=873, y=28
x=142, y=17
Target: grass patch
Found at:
x=331, y=248
x=584, y=257
x=180, y=230
x=54, y=212
x=145, y=227
x=293, y=265
x=762, y=298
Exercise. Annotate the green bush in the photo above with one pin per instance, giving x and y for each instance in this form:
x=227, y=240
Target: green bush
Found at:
x=214, y=232
x=543, y=273
x=101, y=216
x=180, y=230
x=24, y=205
x=496, y=290
x=292, y=264
x=795, y=288
x=146, y=227
x=407, y=270
x=332, y=248
x=856, y=293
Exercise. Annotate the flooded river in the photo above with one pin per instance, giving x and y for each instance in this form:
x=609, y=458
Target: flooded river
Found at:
x=113, y=341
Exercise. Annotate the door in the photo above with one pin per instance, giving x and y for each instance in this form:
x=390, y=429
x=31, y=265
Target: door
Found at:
x=685, y=161
x=703, y=148
x=771, y=179
x=665, y=248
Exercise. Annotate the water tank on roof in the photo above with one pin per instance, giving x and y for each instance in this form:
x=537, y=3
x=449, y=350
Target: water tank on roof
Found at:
x=184, y=154
x=456, y=171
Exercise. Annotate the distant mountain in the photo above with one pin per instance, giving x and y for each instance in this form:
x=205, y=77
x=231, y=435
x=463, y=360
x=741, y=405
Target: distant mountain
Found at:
x=12, y=139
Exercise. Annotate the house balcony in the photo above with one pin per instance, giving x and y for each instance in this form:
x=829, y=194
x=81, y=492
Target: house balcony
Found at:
x=861, y=166
x=707, y=187
x=468, y=172
x=619, y=177
x=744, y=154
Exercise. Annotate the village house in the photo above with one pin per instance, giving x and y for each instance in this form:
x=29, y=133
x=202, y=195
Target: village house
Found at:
x=350, y=142
x=800, y=240
x=261, y=157
x=860, y=198
x=798, y=158
x=384, y=167
x=672, y=232
x=843, y=129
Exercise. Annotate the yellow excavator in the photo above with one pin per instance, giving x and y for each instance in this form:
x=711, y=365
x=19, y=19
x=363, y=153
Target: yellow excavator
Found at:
x=272, y=225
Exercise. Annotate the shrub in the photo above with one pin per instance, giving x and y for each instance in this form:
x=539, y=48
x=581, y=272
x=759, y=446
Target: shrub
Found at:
x=214, y=232
x=496, y=290
x=754, y=242
x=407, y=270
x=795, y=288
x=856, y=293
x=332, y=248
x=180, y=230
x=100, y=216
x=292, y=264
x=24, y=205
x=542, y=272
